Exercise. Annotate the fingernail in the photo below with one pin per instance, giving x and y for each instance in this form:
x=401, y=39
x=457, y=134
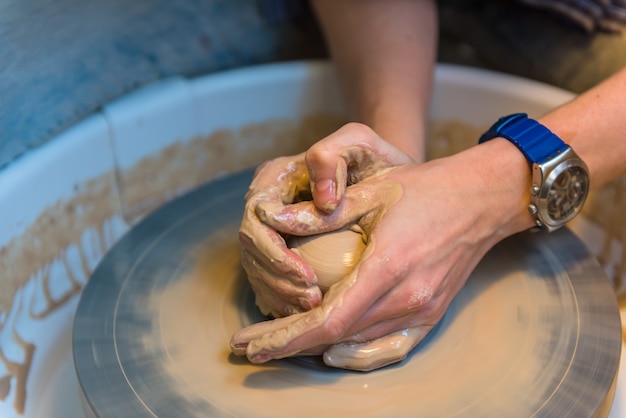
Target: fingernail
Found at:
x=325, y=185
x=326, y=191
x=260, y=358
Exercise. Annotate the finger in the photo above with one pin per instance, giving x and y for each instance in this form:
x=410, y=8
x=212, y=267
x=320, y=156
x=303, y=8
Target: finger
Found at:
x=304, y=218
x=240, y=340
x=280, y=297
x=388, y=326
x=282, y=178
x=269, y=247
x=323, y=325
x=328, y=183
x=268, y=303
x=271, y=252
x=351, y=153
x=299, y=336
x=377, y=353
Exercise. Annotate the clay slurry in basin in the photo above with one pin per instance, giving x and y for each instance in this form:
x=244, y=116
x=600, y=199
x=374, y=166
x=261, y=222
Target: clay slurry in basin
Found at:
x=535, y=332
x=331, y=255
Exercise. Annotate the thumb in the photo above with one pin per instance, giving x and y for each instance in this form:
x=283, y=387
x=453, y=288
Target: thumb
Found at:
x=327, y=174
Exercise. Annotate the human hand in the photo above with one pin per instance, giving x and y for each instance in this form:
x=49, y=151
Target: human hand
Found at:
x=427, y=226
x=349, y=155
x=282, y=281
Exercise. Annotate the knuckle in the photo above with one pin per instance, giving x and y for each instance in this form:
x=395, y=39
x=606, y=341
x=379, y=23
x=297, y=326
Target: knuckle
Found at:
x=334, y=328
x=357, y=128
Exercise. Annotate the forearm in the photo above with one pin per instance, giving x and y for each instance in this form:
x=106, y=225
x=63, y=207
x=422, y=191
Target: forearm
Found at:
x=385, y=57
x=594, y=124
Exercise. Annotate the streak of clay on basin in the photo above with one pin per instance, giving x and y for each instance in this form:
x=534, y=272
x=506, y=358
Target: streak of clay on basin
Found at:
x=72, y=235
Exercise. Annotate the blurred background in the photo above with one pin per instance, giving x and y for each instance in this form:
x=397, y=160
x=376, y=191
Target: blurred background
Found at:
x=60, y=60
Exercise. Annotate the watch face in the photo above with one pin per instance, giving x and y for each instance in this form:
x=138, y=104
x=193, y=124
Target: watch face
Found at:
x=566, y=192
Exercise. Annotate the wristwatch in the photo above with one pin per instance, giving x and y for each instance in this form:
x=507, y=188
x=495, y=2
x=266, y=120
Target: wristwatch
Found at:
x=560, y=179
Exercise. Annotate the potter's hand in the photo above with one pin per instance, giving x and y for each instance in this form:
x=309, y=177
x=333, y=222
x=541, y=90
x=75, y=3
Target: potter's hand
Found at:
x=282, y=281
x=363, y=321
x=347, y=156
x=428, y=226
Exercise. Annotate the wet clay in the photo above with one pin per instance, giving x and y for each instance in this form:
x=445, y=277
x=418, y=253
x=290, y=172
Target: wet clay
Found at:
x=84, y=224
x=332, y=255
x=496, y=349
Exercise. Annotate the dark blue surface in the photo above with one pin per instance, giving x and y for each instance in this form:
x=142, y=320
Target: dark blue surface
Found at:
x=61, y=60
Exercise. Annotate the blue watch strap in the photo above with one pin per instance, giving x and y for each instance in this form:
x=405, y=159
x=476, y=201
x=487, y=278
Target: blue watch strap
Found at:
x=537, y=143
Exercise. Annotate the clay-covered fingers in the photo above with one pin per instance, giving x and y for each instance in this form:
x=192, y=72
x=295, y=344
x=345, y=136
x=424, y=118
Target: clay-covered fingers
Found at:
x=284, y=283
x=270, y=251
x=362, y=203
x=274, y=295
x=246, y=341
x=283, y=178
x=345, y=157
x=269, y=340
x=308, y=332
x=376, y=353
x=315, y=332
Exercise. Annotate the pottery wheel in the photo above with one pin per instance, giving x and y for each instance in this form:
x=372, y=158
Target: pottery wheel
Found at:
x=535, y=332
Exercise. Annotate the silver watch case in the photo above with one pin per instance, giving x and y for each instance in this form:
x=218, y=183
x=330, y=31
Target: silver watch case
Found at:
x=559, y=189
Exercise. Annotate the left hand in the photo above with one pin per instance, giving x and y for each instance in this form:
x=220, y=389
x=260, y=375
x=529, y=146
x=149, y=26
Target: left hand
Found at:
x=282, y=281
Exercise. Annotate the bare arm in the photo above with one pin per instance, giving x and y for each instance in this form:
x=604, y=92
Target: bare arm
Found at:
x=385, y=52
x=372, y=318
x=594, y=124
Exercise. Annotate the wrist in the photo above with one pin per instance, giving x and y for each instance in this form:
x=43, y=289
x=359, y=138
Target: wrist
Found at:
x=504, y=175
x=560, y=179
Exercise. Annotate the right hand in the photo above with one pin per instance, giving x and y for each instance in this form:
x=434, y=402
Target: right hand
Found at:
x=427, y=226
